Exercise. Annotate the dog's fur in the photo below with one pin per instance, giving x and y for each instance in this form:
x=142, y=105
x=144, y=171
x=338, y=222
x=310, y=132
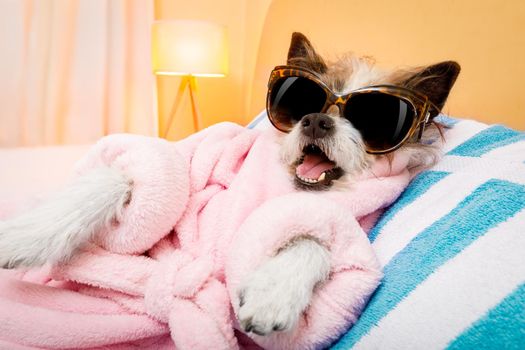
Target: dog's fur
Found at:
x=273, y=297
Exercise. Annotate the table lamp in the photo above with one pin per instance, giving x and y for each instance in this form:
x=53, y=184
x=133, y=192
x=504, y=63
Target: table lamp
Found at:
x=188, y=48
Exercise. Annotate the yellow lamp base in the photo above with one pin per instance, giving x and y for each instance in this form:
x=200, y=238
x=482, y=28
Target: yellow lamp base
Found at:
x=187, y=82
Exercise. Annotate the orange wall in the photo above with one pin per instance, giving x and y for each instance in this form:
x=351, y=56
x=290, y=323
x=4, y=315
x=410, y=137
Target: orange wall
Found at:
x=487, y=37
x=219, y=99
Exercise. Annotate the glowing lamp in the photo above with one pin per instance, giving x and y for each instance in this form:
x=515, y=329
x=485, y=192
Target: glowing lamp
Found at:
x=188, y=48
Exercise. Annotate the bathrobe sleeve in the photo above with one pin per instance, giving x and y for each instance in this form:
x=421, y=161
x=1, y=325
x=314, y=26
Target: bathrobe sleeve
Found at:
x=160, y=189
x=354, y=273
x=163, y=174
x=331, y=218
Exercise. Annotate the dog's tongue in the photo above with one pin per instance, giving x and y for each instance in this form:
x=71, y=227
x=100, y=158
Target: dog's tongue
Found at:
x=313, y=166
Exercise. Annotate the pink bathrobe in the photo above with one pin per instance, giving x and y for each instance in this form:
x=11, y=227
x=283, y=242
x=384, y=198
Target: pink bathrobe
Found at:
x=205, y=212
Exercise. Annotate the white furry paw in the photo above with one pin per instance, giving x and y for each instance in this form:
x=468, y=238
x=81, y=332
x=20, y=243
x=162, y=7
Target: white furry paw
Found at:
x=274, y=296
x=56, y=228
x=269, y=304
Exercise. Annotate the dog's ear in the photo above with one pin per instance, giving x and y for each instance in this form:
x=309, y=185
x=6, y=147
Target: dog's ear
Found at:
x=435, y=82
x=302, y=53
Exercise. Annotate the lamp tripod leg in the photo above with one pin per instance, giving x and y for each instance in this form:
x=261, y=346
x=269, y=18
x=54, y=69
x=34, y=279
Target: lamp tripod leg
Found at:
x=184, y=82
x=193, y=98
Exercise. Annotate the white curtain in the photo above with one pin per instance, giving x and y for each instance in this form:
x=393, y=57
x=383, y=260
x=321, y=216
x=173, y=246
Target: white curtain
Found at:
x=72, y=71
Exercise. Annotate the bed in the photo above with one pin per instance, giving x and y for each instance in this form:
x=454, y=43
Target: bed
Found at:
x=452, y=246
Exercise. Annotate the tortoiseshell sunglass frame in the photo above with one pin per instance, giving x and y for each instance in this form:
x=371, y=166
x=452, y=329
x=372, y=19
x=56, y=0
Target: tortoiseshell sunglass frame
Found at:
x=419, y=102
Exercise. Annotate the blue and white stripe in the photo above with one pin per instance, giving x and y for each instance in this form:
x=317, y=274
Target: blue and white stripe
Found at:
x=261, y=121
x=453, y=251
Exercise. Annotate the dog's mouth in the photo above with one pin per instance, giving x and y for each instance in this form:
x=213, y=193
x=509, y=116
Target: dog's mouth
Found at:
x=314, y=169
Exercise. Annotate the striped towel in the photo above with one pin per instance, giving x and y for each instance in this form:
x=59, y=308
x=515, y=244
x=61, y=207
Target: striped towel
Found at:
x=453, y=251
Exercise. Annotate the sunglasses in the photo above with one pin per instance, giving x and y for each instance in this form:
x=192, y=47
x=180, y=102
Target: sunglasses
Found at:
x=385, y=115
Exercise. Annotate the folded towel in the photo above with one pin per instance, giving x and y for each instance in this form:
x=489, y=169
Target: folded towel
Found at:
x=452, y=250
x=205, y=212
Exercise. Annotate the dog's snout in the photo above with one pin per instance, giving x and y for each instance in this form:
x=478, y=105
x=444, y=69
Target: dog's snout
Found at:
x=316, y=125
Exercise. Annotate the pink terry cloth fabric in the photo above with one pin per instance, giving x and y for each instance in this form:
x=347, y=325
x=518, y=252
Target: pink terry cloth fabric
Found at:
x=205, y=212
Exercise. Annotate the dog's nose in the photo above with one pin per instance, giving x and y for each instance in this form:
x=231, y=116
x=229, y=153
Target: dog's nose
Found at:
x=316, y=125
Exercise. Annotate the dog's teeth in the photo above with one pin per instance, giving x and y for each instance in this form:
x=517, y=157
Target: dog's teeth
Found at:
x=311, y=181
x=321, y=177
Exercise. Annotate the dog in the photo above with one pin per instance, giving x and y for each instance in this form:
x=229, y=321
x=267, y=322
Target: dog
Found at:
x=335, y=120
x=329, y=136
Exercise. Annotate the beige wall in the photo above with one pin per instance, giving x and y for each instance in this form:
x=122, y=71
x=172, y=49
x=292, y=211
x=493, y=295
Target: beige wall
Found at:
x=487, y=37
x=219, y=99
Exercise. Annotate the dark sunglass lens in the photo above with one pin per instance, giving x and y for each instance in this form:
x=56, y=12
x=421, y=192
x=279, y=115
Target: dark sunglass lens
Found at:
x=383, y=120
x=292, y=98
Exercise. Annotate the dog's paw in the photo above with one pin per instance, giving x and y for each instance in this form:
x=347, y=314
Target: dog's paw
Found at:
x=16, y=250
x=275, y=295
x=262, y=311
x=271, y=301
x=7, y=258
x=5, y=255
x=4, y=262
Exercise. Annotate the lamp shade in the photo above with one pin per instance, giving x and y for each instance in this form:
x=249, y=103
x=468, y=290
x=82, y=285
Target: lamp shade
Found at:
x=189, y=47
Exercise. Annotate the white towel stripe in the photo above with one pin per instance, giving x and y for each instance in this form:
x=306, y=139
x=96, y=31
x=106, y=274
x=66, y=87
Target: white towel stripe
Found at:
x=515, y=152
x=438, y=201
x=490, y=168
x=461, y=132
x=476, y=280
